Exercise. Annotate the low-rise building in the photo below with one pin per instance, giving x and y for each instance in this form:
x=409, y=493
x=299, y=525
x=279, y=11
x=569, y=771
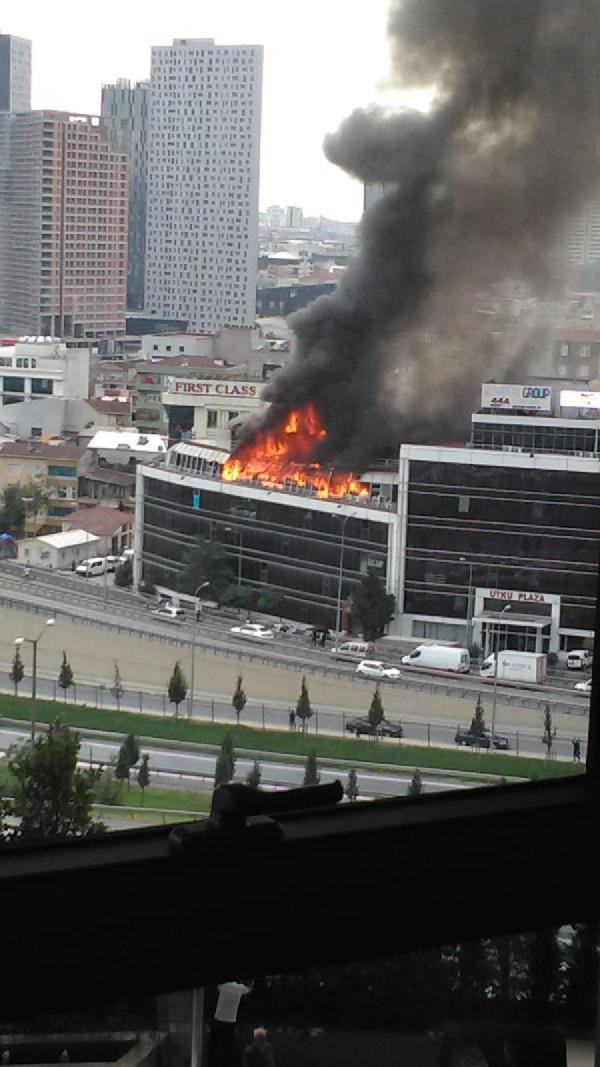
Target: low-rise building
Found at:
x=106, y=484
x=55, y=467
x=30, y=369
x=111, y=526
x=210, y=409
x=123, y=447
x=58, y=551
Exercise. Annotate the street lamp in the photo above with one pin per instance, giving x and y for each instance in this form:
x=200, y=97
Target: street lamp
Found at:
x=238, y=534
x=340, y=574
x=463, y=559
x=34, y=641
x=203, y=585
x=496, y=643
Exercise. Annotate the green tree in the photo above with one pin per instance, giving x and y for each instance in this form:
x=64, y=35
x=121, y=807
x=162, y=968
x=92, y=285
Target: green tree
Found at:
x=132, y=747
x=107, y=789
x=582, y=974
x=549, y=731
x=304, y=710
x=12, y=512
x=372, y=606
x=124, y=574
x=269, y=599
x=65, y=675
x=416, y=784
x=52, y=797
x=177, y=687
x=311, y=774
x=351, y=789
x=17, y=671
x=543, y=972
x=240, y=596
x=123, y=766
x=206, y=561
x=478, y=721
x=116, y=688
x=254, y=775
x=144, y=774
x=225, y=765
x=376, y=712
x=239, y=699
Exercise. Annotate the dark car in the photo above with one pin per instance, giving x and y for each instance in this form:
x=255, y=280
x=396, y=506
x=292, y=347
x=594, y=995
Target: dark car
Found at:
x=362, y=725
x=465, y=736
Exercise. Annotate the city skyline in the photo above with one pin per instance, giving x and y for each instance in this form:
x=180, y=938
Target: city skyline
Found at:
x=316, y=71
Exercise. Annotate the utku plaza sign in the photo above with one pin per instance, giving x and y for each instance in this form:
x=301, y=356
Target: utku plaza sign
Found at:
x=507, y=595
x=211, y=387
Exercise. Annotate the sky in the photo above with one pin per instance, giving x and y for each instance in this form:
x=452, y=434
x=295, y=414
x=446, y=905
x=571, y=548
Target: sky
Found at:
x=322, y=59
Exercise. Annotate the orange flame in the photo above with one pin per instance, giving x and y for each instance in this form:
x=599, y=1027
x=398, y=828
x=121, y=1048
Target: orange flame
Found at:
x=282, y=458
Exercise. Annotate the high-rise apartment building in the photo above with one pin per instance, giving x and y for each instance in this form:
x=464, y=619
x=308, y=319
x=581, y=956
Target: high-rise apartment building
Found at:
x=203, y=169
x=125, y=116
x=293, y=218
x=63, y=226
x=15, y=73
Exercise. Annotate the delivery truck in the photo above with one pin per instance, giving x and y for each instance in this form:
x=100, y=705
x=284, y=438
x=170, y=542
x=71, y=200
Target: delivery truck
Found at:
x=526, y=668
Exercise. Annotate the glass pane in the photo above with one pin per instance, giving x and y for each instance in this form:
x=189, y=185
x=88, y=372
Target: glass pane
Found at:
x=528, y=999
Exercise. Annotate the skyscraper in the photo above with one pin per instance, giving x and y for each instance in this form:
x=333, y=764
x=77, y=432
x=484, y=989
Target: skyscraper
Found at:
x=15, y=73
x=203, y=169
x=125, y=116
x=63, y=226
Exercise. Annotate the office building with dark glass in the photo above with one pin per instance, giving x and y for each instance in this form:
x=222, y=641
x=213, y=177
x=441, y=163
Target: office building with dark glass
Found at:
x=472, y=540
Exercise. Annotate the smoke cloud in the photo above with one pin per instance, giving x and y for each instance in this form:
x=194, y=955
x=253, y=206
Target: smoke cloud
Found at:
x=480, y=190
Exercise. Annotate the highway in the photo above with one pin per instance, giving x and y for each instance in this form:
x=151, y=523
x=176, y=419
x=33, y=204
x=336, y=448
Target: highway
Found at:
x=429, y=707
x=195, y=769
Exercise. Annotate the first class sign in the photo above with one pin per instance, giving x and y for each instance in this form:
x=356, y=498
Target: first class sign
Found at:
x=212, y=387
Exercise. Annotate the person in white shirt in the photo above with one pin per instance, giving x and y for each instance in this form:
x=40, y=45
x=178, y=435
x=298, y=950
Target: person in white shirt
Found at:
x=224, y=1022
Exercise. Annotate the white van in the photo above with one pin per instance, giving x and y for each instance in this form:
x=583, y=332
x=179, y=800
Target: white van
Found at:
x=89, y=568
x=439, y=658
x=353, y=650
x=579, y=659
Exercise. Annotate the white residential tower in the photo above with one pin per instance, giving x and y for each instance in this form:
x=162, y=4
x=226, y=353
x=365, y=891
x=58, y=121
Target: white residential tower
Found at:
x=203, y=171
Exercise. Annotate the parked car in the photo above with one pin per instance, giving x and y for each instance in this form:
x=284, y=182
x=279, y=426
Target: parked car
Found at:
x=128, y=554
x=361, y=725
x=253, y=631
x=170, y=613
x=112, y=562
x=89, y=568
x=465, y=736
x=285, y=628
x=584, y=687
x=579, y=659
x=375, y=668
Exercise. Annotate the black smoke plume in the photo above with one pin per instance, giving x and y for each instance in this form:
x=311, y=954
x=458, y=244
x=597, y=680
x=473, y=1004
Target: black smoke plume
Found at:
x=480, y=191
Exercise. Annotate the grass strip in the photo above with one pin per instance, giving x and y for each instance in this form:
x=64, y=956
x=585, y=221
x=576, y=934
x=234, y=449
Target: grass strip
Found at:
x=283, y=742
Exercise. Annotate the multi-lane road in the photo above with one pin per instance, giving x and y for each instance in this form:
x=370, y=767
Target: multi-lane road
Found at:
x=196, y=768
x=94, y=603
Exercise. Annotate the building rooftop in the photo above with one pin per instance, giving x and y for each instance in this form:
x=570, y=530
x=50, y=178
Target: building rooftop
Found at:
x=101, y=521
x=128, y=441
x=108, y=476
x=111, y=405
x=43, y=449
x=68, y=539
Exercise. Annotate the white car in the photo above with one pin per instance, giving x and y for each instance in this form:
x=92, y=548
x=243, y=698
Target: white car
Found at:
x=375, y=668
x=169, y=613
x=285, y=628
x=584, y=687
x=112, y=562
x=253, y=631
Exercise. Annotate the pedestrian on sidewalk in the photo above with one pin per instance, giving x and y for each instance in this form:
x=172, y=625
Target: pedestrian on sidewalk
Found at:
x=576, y=749
x=222, y=1031
x=313, y=638
x=292, y=719
x=260, y=1052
